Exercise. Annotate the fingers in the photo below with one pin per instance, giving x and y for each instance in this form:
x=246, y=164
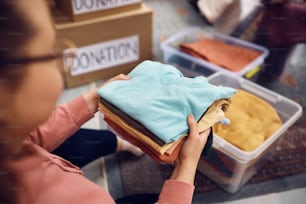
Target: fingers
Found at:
x=115, y=78
x=205, y=134
x=194, y=143
x=193, y=129
x=120, y=77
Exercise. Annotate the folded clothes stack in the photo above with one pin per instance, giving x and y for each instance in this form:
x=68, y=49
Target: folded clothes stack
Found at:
x=150, y=110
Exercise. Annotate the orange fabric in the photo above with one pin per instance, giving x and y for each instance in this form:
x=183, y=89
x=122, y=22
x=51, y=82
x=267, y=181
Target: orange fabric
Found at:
x=231, y=57
x=174, y=146
x=160, y=158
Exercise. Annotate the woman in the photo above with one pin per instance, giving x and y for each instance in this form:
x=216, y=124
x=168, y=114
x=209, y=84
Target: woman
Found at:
x=31, y=126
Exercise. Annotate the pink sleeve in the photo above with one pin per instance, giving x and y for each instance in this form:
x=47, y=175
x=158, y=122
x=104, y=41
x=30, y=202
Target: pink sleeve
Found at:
x=176, y=192
x=64, y=121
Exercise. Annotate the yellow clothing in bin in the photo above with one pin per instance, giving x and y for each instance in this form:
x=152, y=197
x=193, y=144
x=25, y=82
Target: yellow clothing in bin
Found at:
x=253, y=120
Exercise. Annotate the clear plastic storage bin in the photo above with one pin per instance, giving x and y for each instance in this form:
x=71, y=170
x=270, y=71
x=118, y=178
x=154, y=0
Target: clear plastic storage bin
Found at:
x=230, y=167
x=191, y=65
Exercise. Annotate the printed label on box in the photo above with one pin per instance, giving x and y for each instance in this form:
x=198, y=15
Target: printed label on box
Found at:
x=86, y=6
x=105, y=55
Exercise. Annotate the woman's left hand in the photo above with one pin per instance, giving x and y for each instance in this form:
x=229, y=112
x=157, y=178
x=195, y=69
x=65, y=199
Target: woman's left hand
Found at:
x=92, y=97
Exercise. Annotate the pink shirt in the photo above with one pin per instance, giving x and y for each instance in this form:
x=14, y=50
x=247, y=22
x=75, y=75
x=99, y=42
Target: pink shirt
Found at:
x=46, y=178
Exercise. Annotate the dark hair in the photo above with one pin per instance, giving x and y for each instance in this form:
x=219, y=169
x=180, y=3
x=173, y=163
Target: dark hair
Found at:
x=15, y=32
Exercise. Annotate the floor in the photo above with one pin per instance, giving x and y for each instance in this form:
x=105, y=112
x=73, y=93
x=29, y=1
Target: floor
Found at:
x=96, y=170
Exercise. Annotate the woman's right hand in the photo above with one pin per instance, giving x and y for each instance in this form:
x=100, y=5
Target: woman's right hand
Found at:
x=187, y=161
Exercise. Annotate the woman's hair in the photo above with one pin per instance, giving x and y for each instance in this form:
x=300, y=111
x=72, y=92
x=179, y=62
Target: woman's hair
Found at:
x=15, y=31
x=15, y=28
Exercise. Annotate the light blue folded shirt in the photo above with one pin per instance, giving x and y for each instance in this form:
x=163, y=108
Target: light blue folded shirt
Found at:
x=160, y=97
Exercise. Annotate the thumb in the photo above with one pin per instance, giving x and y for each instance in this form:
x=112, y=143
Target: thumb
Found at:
x=193, y=127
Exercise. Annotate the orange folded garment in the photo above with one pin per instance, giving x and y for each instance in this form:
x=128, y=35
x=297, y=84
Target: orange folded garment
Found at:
x=160, y=158
x=231, y=57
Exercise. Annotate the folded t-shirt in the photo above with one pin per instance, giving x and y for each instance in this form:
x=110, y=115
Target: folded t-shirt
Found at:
x=160, y=98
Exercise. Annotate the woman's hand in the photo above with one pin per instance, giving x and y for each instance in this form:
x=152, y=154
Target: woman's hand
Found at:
x=92, y=97
x=187, y=162
x=115, y=78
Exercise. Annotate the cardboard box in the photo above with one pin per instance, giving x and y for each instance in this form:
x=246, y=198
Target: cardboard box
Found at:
x=87, y=9
x=230, y=167
x=107, y=46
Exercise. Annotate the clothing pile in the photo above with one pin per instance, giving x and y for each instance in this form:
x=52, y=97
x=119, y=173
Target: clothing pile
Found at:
x=150, y=110
x=253, y=121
